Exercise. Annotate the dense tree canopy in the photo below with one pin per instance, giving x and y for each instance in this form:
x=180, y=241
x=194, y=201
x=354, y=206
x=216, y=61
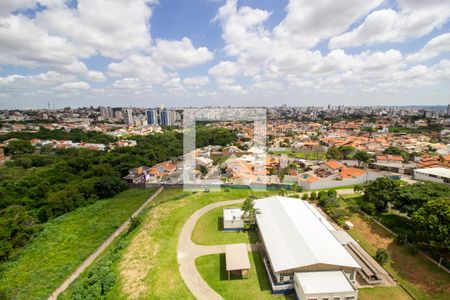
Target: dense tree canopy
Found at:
x=378, y=193
x=35, y=187
x=409, y=198
x=432, y=223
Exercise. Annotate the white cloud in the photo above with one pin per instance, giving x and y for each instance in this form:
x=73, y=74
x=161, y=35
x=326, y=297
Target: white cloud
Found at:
x=112, y=28
x=138, y=66
x=24, y=43
x=307, y=22
x=8, y=6
x=180, y=54
x=433, y=48
x=127, y=84
x=414, y=19
x=196, y=80
x=224, y=69
x=78, y=85
x=95, y=76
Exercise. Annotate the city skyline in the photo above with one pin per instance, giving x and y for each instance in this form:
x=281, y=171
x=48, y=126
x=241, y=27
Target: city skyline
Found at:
x=220, y=53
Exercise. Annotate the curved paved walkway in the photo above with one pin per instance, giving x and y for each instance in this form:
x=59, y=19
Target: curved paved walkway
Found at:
x=188, y=251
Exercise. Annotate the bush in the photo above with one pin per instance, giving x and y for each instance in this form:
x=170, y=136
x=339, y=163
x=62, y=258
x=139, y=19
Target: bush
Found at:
x=382, y=256
x=313, y=196
x=305, y=196
x=109, y=186
x=332, y=193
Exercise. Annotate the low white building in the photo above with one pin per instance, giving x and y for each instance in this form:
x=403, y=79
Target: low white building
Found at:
x=440, y=175
x=331, y=285
x=232, y=219
x=297, y=238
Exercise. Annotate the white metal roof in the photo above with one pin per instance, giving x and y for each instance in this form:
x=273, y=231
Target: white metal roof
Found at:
x=230, y=214
x=236, y=257
x=324, y=282
x=296, y=235
x=442, y=172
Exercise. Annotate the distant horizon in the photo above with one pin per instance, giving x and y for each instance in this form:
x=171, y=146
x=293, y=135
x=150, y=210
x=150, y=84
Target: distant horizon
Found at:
x=212, y=106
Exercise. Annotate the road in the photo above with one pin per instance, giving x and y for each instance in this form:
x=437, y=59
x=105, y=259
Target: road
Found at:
x=88, y=261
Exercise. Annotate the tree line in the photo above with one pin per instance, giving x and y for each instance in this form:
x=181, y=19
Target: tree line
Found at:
x=426, y=205
x=39, y=185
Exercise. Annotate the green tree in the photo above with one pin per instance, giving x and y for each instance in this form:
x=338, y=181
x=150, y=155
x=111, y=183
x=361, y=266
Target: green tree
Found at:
x=19, y=147
x=346, y=151
x=362, y=157
x=432, y=223
x=379, y=193
x=409, y=198
x=282, y=192
x=109, y=186
x=203, y=169
x=334, y=153
x=250, y=211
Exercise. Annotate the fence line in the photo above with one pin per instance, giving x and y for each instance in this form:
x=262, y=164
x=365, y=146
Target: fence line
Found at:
x=439, y=265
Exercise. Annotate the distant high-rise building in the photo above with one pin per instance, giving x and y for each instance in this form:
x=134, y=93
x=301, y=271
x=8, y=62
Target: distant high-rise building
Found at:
x=152, y=116
x=128, y=116
x=106, y=112
x=448, y=110
x=165, y=117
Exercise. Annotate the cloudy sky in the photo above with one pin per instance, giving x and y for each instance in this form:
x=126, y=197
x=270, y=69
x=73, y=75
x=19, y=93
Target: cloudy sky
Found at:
x=213, y=52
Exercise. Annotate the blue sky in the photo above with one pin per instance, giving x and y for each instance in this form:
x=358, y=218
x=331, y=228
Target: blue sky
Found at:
x=213, y=52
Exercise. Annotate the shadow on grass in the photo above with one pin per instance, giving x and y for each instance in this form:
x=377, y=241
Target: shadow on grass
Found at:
x=263, y=280
x=220, y=223
x=224, y=273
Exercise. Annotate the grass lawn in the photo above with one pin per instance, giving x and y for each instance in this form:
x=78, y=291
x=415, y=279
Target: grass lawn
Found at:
x=380, y=293
x=149, y=267
x=64, y=243
x=419, y=276
x=208, y=230
x=256, y=286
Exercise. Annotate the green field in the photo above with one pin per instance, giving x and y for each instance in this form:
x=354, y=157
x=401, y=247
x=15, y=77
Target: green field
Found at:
x=208, y=230
x=148, y=268
x=63, y=244
x=378, y=293
x=256, y=286
x=418, y=275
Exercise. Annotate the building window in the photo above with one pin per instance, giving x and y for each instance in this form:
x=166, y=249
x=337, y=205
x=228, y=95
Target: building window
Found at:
x=352, y=276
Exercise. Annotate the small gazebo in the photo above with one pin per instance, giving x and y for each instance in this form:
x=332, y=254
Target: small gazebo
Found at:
x=237, y=261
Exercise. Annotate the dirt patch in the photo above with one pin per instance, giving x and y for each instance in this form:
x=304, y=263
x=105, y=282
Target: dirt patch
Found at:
x=140, y=256
x=375, y=235
x=410, y=266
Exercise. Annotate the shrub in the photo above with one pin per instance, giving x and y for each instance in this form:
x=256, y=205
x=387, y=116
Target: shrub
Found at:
x=313, y=196
x=382, y=256
x=305, y=196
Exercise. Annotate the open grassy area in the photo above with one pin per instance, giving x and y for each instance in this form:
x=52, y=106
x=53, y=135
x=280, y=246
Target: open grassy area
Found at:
x=208, y=230
x=256, y=286
x=418, y=275
x=149, y=267
x=380, y=293
x=64, y=243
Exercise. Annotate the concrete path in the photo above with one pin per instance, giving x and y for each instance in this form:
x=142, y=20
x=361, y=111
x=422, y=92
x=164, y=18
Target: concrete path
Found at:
x=188, y=251
x=88, y=261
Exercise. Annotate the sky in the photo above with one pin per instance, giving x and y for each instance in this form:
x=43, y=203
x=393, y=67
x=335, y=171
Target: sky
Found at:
x=146, y=53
